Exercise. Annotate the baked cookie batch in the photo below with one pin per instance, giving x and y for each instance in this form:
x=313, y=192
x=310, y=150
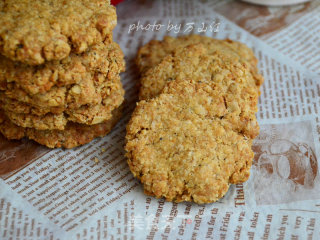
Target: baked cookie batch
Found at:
x=59, y=71
x=191, y=134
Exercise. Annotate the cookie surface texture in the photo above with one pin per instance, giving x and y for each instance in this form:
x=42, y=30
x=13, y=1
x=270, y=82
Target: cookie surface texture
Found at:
x=153, y=52
x=182, y=148
x=36, y=31
x=220, y=71
x=24, y=115
x=73, y=135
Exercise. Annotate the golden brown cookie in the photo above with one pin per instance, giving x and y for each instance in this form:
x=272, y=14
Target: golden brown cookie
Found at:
x=36, y=31
x=48, y=121
x=152, y=53
x=182, y=147
x=93, y=114
x=72, y=136
x=222, y=71
x=59, y=83
x=13, y=105
x=24, y=116
x=90, y=91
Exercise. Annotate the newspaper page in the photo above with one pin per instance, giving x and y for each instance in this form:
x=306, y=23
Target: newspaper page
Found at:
x=293, y=31
x=89, y=192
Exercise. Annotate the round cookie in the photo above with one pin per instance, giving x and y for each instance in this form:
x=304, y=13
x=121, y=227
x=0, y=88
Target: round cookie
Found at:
x=90, y=91
x=48, y=121
x=36, y=31
x=152, y=53
x=86, y=114
x=72, y=136
x=181, y=147
x=79, y=77
x=94, y=114
x=9, y=104
x=217, y=69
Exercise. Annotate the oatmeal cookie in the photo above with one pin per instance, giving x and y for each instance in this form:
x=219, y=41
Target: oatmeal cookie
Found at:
x=217, y=69
x=93, y=114
x=48, y=121
x=36, y=31
x=25, y=116
x=104, y=59
x=182, y=147
x=16, y=106
x=72, y=136
x=152, y=53
x=89, y=91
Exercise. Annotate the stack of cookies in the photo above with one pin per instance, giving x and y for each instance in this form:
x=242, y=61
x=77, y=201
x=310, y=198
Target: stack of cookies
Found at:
x=191, y=134
x=59, y=71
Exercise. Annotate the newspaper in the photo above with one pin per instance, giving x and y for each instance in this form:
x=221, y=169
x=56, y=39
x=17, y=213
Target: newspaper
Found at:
x=89, y=193
x=293, y=31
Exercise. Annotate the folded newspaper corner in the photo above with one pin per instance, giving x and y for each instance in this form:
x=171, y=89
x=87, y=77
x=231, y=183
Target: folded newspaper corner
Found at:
x=89, y=192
